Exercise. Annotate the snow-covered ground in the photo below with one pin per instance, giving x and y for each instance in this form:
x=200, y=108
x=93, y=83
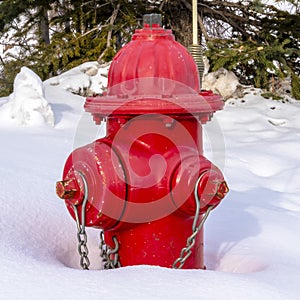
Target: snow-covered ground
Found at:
x=252, y=239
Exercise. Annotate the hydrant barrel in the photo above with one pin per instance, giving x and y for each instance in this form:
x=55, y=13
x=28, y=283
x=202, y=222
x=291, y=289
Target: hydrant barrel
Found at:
x=144, y=178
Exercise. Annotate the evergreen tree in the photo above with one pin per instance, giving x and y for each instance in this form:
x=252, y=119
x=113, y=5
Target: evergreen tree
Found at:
x=269, y=49
x=81, y=30
x=24, y=25
x=255, y=40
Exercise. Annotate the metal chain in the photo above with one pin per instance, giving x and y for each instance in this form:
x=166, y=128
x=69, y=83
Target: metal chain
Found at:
x=190, y=242
x=81, y=233
x=106, y=253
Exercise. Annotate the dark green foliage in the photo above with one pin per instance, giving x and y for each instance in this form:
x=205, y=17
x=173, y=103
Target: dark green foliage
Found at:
x=271, y=50
x=254, y=62
x=270, y=95
x=80, y=35
x=296, y=86
x=7, y=76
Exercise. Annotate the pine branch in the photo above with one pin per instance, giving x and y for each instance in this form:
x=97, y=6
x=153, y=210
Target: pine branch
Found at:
x=109, y=35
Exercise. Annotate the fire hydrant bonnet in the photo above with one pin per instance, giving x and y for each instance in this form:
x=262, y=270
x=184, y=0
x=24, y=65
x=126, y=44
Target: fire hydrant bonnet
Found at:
x=153, y=53
x=153, y=74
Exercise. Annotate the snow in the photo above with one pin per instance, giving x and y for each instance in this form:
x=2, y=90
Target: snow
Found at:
x=86, y=79
x=27, y=104
x=222, y=82
x=251, y=239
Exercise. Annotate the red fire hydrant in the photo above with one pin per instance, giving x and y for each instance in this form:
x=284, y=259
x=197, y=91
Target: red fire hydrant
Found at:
x=146, y=184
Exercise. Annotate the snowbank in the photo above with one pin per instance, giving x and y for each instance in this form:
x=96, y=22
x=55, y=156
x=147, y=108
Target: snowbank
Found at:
x=27, y=104
x=251, y=240
x=85, y=80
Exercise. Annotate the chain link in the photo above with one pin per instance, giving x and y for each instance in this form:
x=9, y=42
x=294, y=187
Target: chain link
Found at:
x=81, y=233
x=190, y=242
x=83, y=250
x=110, y=257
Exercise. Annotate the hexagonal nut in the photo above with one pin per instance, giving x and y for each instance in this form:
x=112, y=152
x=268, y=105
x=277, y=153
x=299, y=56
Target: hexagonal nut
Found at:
x=222, y=189
x=66, y=189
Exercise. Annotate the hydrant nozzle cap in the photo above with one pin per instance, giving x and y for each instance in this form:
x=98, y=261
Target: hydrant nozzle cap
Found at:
x=212, y=187
x=222, y=190
x=66, y=189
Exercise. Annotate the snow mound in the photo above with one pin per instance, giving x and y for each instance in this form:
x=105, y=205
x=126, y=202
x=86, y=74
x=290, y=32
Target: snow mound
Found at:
x=85, y=80
x=27, y=104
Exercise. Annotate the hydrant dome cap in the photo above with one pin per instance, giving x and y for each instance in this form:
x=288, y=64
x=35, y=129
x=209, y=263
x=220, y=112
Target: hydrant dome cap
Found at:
x=153, y=74
x=153, y=52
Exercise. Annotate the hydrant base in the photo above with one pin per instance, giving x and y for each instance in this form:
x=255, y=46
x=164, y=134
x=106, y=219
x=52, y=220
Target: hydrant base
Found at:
x=154, y=243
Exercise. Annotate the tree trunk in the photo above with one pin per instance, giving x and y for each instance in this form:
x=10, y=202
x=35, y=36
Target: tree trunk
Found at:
x=44, y=25
x=199, y=19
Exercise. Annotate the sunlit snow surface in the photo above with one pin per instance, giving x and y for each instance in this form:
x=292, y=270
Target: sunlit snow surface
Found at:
x=252, y=238
x=27, y=104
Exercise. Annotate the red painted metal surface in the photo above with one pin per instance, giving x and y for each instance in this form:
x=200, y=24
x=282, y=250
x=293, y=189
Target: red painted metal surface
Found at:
x=153, y=53
x=141, y=176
